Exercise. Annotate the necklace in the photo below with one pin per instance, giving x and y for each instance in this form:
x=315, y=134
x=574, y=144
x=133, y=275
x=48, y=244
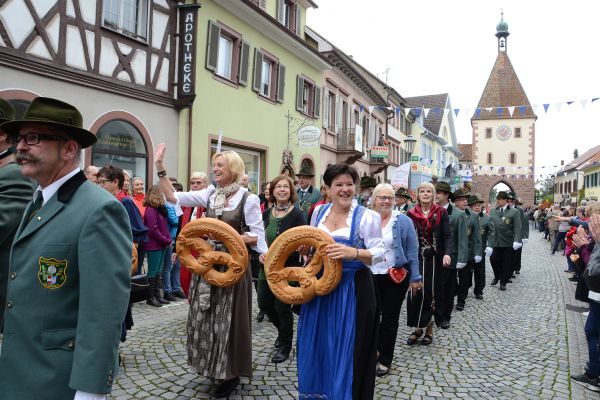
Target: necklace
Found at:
x=425, y=213
x=281, y=208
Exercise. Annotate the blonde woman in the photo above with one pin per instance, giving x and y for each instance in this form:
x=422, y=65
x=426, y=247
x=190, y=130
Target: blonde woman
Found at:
x=435, y=247
x=219, y=341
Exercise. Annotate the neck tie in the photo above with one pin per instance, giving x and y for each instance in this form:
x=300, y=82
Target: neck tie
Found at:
x=35, y=207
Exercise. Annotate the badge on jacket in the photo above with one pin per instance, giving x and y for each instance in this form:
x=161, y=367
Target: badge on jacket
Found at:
x=52, y=273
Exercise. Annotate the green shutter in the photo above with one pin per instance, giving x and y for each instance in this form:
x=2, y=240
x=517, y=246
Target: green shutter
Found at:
x=257, y=75
x=212, y=46
x=243, y=66
x=299, y=92
x=280, y=83
x=317, y=103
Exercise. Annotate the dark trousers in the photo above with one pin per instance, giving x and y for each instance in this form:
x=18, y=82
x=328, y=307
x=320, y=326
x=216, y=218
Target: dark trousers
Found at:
x=592, y=334
x=390, y=296
x=479, y=273
x=445, y=290
x=560, y=236
x=517, y=259
x=502, y=259
x=278, y=312
x=465, y=281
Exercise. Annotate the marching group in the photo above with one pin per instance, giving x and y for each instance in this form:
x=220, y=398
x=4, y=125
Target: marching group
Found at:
x=70, y=242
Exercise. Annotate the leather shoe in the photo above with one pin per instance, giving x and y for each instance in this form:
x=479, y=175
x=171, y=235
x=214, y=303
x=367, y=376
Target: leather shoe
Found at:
x=260, y=317
x=460, y=306
x=169, y=297
x=479, y=296
x=281, y=355
x=518, y=272
x=445, y=324
x=225, y=388
x=382, y=370
x=503, y=286
x=277, y=343
x=494, y=281
x=179, y=294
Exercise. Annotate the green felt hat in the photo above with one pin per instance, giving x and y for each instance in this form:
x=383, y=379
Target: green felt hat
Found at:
x=403, y=192
x=474, y=200
x=367, y=182
x=55, y=113
x=502, y=195
x=460, y=193
x=7, y=111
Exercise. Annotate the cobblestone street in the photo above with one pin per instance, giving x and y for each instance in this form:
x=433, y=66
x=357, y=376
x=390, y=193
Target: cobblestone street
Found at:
x=522, y=343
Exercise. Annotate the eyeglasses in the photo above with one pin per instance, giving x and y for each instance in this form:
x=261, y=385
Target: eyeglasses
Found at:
x=384, y=198
x=34, y=138
x=103, y=181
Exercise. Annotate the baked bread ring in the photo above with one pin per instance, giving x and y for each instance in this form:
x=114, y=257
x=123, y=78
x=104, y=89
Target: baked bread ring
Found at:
x=134, y=259
x=310, y=286
x=190, y=238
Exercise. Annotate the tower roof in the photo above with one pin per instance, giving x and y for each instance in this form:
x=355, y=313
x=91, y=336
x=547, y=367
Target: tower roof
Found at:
x=503, y=89
x=433, y=120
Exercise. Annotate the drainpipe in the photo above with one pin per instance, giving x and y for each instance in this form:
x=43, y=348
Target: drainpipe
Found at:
x=190, y=125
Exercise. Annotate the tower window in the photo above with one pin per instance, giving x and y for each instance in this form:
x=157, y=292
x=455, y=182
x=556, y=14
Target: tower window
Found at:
x=488, y=133
x=489, y=158
x=512, y=158
x=517, y=132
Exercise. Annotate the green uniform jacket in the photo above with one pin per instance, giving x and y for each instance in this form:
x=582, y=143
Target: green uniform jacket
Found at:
x=473, y=234
x=16, y=191
x=458, y=227
x=68, y=292
x=305, y=203
x=524, y=223
x=486, y=229
x=507, y=228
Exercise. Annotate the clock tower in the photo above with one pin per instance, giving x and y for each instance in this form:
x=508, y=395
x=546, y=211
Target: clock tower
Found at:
x=504, y=130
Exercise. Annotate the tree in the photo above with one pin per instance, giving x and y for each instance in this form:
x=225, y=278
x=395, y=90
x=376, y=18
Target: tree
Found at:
x=575, y=154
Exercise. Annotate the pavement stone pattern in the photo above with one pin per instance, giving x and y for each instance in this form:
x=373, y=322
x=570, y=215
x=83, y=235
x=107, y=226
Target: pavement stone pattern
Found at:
x=519, y=344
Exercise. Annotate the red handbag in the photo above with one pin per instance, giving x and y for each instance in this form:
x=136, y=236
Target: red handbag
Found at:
x=397, y=274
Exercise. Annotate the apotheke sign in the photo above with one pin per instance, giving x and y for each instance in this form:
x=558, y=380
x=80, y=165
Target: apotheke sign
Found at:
x=308, y=136
x=186, y=82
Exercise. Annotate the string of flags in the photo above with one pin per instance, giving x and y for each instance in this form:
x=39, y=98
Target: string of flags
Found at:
x=499, y=110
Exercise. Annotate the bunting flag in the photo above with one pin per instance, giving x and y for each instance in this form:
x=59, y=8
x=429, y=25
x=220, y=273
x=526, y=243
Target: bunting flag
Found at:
x=477, y=112
x=511, y=110
x=426, y=111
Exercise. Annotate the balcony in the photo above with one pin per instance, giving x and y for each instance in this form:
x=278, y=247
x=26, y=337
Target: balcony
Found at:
x=346, y=146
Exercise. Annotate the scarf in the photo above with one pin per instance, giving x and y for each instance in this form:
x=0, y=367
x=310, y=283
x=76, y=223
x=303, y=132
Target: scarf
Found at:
x=221, y=197
x=425, y=221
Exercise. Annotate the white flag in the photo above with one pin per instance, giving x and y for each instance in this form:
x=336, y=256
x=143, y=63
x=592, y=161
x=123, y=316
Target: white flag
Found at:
x=511, y=110
x=219, y=140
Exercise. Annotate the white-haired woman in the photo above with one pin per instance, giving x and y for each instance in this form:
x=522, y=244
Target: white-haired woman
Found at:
x=219, y=342
x=435, y=246
x=401, y=251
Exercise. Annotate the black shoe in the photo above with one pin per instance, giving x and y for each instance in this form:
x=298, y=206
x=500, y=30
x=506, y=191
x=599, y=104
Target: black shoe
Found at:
x=479, y=296
x=414, y=337
x=179, y=294
x=382, y=370
x=427, y=340
x=509, y=281
x=153, y=302
x=503, y=286
x=587, y=381
x=225, y=388
x=281, y=355
x=445, y=324
x=574, y=278
x=460, y=306
x=277, y=344
x=163, y=300
x=513, y=276
x=518, y=272
x=261, y=316
x=494, y=282
x=169, y=297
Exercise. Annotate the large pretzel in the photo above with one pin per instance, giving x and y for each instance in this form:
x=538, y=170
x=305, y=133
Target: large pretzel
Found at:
x=310, y=286
x=134, y=260
x=190, y=238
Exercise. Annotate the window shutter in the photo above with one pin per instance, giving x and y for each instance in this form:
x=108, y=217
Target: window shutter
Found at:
x=280, y=11
x=280, y=83
x=352, y=122
x=257, y=75
x=317, y=102
x=338, y=114
x=325, y=108
x=212, y=46
x=298, y=20
x=243, y=67
x=299, y=92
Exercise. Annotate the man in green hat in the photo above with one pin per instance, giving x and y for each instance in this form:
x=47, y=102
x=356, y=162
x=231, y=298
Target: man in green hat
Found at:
x=367, y=184
x=485, y=227
x=461, y=199
x=307, y=194
x=515, y=202
x=69, y=270
x=15, y=192
x=402, y=198
x=445, y=285
x=506, y=237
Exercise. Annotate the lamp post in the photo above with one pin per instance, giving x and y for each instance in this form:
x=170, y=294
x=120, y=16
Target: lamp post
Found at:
x=409, y=144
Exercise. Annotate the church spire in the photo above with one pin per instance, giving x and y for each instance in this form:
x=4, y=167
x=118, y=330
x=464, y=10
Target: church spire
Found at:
x=502, y=33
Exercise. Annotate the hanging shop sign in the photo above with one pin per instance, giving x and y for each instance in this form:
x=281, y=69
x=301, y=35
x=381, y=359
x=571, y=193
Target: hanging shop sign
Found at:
x=379, y=151
x=308, y=136
x=186, y=82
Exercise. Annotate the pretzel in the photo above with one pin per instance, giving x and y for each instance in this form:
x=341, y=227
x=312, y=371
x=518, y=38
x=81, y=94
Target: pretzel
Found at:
x=310, y=286
x=134, y=260
x=190, y=238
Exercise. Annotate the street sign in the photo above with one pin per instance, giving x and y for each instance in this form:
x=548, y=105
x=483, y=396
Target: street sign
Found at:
x=379, y=151
x=414, y=158
x=457, y=179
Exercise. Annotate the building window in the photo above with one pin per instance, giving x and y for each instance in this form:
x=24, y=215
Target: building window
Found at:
x=345, y=116
x=512, y=158
x=489, y=158
x=129, y=17
x=488, y=133
x=517, y=132
x=254, y=160
x=288, y=14
x=561, y=188
x=269, y=76
x=120, y=143
x=331, y=120
x=308, y=97
x=227, y=54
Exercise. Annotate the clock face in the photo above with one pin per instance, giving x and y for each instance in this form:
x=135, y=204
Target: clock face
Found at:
x=503, y=132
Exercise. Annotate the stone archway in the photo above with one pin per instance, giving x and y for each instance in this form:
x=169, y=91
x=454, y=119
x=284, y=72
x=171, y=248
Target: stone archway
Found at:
x=523, y=187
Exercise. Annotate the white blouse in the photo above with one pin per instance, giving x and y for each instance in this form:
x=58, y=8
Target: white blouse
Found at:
x=369, y=229
x=252, y=214
x=388, y=241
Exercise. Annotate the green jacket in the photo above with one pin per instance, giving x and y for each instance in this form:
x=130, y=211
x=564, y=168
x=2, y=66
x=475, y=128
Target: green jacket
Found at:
x=67, y=296
x=524, y=223
x=486, y=229
x=473, y=234
x=304, y=203
x=460, y=238
x=16, y=191
x=507, y=228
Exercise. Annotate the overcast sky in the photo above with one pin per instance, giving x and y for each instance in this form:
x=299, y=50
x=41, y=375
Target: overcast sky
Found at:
x=441, y=46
